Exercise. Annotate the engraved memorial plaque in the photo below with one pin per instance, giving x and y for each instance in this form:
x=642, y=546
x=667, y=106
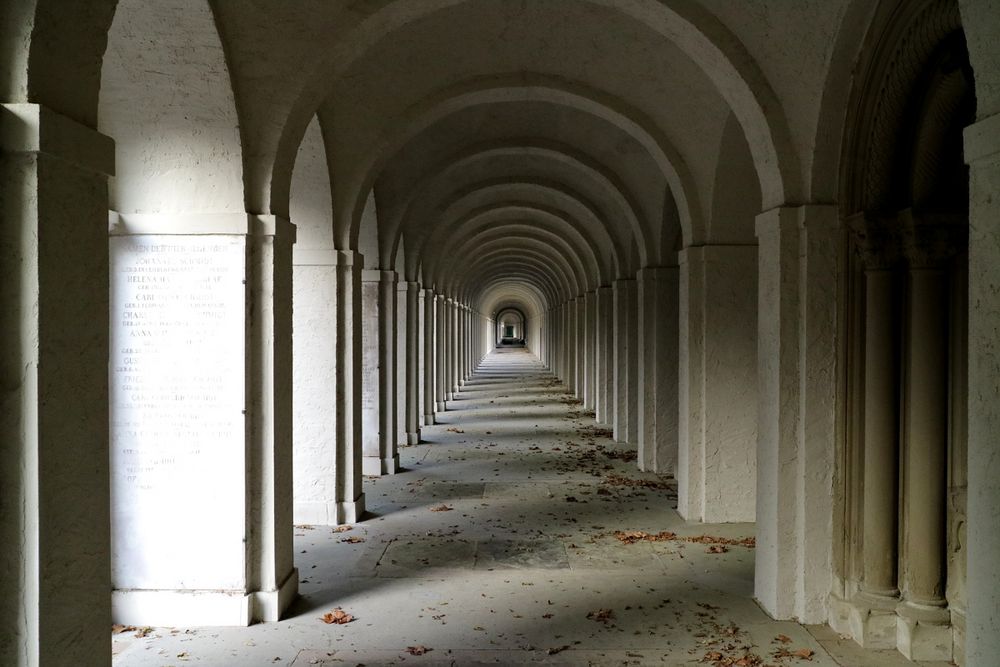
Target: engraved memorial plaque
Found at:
x=177, y=411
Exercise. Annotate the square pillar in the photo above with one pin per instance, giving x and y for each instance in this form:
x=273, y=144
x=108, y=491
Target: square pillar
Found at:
x=717, y=458
x=54, y=527
x=429, y=357
x=982, y=152
x=201, y=418
x=408, y=351
x=580, y=346
x=590, y=351
x=314, y=387
x=378, y=382
x=350, y=492
x=604, y=346
x=657, y=377
x=799, y=260
x=626, y=361
x=440, y=353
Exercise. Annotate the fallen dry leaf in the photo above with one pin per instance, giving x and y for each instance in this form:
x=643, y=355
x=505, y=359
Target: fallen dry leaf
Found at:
x=804, y=653
x=338, y=617
x=557, y=649
x=353, y=539
x=118, y=628
x=419, y=649
x=441, y=508
x=784, y=639
x=717, y=549
x=601, y=615
x=342, y=529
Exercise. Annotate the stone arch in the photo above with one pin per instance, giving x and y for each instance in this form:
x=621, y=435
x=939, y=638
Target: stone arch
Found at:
x=572, y=207
x=701, y=36
x=513, y=234
x=564, y=154
x=524, y=87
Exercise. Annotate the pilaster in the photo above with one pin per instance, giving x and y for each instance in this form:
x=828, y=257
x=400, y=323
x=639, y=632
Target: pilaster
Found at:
x=657, y=291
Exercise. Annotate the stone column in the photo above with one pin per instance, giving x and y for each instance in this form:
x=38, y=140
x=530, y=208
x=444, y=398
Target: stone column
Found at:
x=379, y=373
x=570, y=318
x=924, y=630
x=201, y=418
x=717, y=458
x=350, y=494
x=657, y=377
x=429, y=357
x=580, y=343
x=440, y=354
x=626, y=365
x=604, y=350
x=799, y=260
x=590, y=351
x=873, y=617
x=273, y=580
x=53, y=554
x=403, y=340
x=411, y=342
x=455, y=343
x=982, y=152
x=314, y=387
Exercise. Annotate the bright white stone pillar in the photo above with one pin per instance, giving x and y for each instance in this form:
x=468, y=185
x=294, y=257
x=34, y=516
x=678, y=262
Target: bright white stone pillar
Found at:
x=982, y=152
x=378, y=393
x=626, y=361
x=314, y=387
x=201, y=419
x=657, y=289
x=53, y=554
x=799, y=274
x=717, y=458
x=604, y=347
x=350, y=493
x=454, y=345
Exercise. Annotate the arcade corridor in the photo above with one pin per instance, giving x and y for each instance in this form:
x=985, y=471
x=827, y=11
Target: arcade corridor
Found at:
x=497, y=544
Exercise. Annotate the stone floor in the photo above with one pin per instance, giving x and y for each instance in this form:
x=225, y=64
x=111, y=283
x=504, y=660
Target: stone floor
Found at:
x=496, y=545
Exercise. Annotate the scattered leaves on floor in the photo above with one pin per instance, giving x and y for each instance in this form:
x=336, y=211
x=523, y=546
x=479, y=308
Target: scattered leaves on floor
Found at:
x=336, y=617
x=419, y=649
x=441, y=508
x=342, y=529
x=353, y=539
x=557, y=649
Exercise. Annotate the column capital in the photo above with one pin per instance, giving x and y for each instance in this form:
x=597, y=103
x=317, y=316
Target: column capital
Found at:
x=377, y=276
x=931, y=243
x=877, y=243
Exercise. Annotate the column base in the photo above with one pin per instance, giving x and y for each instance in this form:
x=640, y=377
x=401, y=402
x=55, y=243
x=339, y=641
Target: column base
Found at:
x=924, y=632
x=268, y=606
x=441, y=406
x=315, y=513
x=872, y=620
x=429, y=420
x=351, y=511
x=172, y=608
x=373, y=466
x=413, y=438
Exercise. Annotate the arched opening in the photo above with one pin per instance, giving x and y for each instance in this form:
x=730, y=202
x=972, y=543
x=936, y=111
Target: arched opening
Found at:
x=906, y=193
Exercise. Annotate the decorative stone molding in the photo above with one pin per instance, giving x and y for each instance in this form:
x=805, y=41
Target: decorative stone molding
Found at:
x=877, y=243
